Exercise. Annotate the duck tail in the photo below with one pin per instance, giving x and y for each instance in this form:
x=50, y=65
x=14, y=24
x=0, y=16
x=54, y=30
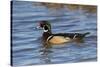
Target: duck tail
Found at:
x=81, y=39
x=86, y=34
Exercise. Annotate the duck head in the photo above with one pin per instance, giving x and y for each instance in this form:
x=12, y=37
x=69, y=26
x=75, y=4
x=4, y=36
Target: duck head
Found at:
x=46, y=26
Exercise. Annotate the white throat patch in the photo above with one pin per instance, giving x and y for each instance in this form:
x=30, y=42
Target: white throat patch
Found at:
x=45, y=30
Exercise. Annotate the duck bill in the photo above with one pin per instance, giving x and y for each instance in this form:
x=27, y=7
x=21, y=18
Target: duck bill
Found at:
x=38, y=27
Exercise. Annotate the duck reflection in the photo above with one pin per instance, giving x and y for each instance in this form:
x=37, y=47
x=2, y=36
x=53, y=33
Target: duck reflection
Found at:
x=46, y=54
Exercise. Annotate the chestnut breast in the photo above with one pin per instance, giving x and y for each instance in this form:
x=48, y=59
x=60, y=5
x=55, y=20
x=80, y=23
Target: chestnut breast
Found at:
x=58, y=39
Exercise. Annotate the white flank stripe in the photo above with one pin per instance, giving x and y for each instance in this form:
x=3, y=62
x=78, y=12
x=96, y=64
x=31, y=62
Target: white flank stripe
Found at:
x=74, y=36
x=49, y=37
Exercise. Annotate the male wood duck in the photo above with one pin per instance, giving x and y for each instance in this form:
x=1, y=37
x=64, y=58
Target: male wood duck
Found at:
x=59, y=38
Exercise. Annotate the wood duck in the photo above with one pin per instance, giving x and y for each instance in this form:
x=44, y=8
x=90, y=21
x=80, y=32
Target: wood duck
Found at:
x=59, y=38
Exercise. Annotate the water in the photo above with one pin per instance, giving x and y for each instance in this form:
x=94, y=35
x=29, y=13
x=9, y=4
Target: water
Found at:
x=27, y=48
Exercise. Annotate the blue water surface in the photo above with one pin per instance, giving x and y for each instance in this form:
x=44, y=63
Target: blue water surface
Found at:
x=27, y=48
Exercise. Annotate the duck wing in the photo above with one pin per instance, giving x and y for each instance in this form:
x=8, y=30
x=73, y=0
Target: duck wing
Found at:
x=72, y=35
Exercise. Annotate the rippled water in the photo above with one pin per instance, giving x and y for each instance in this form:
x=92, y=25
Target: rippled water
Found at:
x=27, y=48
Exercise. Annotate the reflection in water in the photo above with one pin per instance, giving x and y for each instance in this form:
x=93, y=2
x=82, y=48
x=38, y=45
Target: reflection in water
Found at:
x=46, y=54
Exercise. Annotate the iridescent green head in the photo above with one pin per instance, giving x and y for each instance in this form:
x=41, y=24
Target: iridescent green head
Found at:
x=45, y=25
